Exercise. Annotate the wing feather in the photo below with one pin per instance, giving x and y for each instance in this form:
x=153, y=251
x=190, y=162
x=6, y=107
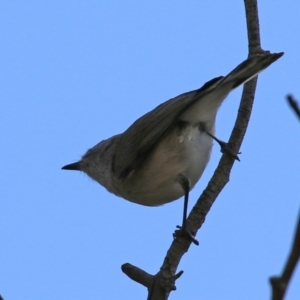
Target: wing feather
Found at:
x=139, y=140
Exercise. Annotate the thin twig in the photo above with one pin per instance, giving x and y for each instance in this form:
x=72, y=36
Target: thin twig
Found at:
x=138, y=275
x=280, y=284
x=294, y=105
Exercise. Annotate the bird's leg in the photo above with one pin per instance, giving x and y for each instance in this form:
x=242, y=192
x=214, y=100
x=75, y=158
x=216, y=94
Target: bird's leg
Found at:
x=182, y=231
x=185, y=184
x=225, y=148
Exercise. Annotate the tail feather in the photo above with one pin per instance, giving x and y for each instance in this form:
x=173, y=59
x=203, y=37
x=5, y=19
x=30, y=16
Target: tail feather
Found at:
x=250, y=68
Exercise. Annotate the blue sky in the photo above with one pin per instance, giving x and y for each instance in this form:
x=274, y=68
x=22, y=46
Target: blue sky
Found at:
x=76, y=72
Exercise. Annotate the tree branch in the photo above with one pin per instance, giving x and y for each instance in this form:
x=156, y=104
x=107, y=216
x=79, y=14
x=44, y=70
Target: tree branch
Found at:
x=280, y=284
x=252, y=20
x=164, y=281
x=137, y=275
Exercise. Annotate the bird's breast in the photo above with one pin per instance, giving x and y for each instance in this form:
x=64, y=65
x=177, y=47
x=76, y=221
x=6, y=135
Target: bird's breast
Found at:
x=185, y=150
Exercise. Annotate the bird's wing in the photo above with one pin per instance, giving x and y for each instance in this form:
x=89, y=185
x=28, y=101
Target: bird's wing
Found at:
x=138, y=141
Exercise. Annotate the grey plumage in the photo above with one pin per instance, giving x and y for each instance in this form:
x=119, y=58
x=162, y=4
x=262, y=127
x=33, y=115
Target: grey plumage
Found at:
x=143, y=163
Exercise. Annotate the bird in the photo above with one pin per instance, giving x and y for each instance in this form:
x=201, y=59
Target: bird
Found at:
x=163, y=154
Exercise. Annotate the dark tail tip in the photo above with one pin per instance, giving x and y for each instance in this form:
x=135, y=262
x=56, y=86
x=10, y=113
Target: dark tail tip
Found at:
x=275, y=56
x=279, y=54
x=75, y=166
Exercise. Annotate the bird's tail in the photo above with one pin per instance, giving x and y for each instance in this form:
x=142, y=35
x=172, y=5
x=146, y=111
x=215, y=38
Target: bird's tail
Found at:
x=250, y=68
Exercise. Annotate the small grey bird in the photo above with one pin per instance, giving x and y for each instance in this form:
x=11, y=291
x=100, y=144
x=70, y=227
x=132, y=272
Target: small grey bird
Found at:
x=163, y=154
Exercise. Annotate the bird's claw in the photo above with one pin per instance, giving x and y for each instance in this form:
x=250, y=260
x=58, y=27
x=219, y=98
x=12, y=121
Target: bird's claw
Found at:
x=225, y=149
x=183, y=232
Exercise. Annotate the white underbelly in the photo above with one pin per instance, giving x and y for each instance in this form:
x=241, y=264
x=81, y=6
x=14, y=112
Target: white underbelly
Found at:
x=155, y=182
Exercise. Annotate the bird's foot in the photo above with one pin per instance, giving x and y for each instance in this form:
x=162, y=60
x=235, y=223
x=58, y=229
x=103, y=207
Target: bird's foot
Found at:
x=183, y=232
x=226, y=149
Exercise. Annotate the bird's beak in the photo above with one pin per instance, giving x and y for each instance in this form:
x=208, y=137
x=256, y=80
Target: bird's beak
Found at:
x=75, y=166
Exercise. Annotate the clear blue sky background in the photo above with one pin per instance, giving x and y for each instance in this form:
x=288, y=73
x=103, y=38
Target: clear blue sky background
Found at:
x=76, y=72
